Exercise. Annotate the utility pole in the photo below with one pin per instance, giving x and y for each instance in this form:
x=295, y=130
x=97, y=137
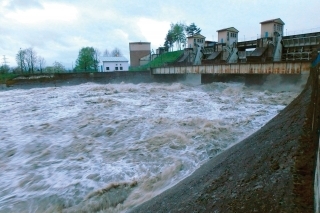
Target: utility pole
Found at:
x=4, y=68
x=4, y=63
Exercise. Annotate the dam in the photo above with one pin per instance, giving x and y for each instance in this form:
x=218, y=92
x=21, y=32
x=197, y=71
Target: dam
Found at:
x=275, y=169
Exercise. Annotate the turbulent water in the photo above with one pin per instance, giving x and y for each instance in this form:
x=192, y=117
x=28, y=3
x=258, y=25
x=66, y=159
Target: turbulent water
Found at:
x=107, y=148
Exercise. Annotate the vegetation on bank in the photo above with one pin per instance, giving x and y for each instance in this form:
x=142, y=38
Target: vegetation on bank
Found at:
x=6, y=76
x=160, y=61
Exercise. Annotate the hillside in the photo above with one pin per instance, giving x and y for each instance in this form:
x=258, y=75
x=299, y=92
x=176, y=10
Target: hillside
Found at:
x=160, y=61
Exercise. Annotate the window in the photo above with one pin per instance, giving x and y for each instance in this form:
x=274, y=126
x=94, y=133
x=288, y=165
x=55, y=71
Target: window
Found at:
x=107, y=68
x=121, y=68
x=116, y=68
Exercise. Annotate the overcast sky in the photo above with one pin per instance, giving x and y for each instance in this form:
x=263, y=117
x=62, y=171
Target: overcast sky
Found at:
x=58, y=29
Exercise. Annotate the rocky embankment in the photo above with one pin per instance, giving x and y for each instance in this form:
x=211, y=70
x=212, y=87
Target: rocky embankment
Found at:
x=270, y=171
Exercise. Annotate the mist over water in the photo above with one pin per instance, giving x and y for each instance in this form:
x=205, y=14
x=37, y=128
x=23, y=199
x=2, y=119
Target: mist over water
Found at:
x=107, y=148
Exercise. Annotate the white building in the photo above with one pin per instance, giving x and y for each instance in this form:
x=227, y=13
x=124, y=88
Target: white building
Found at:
x=269, y=27
x=196, y=39
x=228, y=35
x=112, y=64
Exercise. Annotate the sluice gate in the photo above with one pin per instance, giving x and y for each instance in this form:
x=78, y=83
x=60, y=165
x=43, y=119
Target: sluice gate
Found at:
x=302, y=67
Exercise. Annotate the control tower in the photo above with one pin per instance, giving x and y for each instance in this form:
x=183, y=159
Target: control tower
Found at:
x=138, y=50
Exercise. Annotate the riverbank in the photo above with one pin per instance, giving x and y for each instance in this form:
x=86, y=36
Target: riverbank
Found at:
x=270, y=171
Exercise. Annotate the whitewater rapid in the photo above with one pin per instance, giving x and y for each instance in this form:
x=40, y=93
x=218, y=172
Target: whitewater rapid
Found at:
x=107, y=148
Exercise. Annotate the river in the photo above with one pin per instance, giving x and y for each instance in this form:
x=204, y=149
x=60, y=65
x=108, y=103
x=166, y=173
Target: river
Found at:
x=108, y=147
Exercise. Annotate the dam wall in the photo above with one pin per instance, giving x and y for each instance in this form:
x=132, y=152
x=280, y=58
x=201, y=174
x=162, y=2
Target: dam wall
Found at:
x=317, y=184
x=317, y=141
x=58, y=79
x=294, y=67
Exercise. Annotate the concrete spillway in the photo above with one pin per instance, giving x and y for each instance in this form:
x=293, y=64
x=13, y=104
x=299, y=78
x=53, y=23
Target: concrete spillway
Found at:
x=273, y=170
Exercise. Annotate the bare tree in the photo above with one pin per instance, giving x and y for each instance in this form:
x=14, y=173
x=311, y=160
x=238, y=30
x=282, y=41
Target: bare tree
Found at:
x=58, y=67
x=31, y=59
x=116, y=52
x=42, y=63
x=20, y=58
x=106, y=53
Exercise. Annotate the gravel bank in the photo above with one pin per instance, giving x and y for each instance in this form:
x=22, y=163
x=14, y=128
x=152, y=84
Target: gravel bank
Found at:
x=270, y=171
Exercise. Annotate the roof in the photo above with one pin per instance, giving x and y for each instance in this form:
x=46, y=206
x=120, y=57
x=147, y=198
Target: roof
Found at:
x=113, y=59
x=139, y=42
x=196, y=36
x=277, y=20
x=231, y=29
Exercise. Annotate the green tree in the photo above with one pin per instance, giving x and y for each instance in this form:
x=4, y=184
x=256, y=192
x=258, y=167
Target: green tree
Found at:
x=169, y=40
x=179, y=35
x=176, y=34
x=192, y=29
x=87, y=60
x=4, y=69
x=97, y=54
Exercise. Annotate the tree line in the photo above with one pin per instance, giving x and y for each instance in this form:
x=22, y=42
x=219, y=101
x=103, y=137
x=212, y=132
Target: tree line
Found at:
x=177, y=34
x=89, y=58
x=30, y=62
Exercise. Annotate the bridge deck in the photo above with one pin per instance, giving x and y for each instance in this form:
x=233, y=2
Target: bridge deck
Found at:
x=262, y=68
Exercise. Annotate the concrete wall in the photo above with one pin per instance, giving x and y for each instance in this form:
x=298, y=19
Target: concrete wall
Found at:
x=270, y=28
x=266, y=68
x=317, y=184
x=68, y=79
x=267, y=27
x=317, y=122
x=64, y=79
x=222, y=35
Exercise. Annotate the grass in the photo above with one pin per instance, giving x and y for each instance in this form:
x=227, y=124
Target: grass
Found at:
x=6, y=76
x=160, y=61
